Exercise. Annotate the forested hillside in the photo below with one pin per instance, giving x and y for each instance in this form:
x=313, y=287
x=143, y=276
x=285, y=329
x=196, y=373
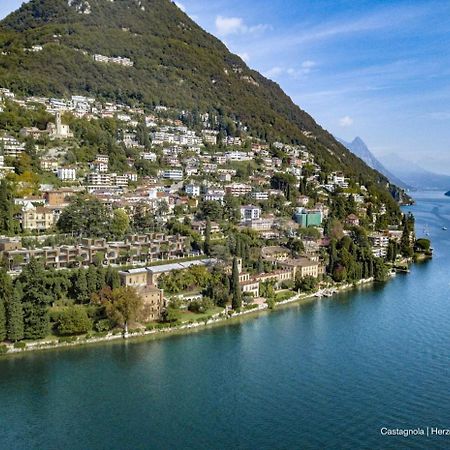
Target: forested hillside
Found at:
x=175, y=63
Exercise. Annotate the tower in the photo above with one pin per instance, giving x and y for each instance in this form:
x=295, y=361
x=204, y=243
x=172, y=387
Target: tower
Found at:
x=58, y=124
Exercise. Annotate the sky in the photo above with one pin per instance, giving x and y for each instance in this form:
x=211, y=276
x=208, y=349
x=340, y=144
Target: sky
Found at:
x=377, y=69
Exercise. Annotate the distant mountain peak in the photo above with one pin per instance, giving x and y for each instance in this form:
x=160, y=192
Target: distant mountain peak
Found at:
x=358, y=141
x=360, y=149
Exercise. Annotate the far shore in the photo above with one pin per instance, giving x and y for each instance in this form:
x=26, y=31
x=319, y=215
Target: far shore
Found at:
x=185, y=328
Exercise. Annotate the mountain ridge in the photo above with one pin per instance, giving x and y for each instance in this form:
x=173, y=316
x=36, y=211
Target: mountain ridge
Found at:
x=360, y=149
x=415, y=175
x=175, y=63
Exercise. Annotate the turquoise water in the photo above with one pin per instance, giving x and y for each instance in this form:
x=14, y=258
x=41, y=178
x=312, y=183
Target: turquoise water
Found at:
x=328, y=374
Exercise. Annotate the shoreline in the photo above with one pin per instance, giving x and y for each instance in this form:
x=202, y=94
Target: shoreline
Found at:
x=183, y=329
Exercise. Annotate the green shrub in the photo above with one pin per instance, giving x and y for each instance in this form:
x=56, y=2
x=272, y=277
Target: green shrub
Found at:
x=67, y=339
x=20, y=345
x=251, y=306
x=270, y=303
x=73, y=320
x=104, y=325
x=3, y=349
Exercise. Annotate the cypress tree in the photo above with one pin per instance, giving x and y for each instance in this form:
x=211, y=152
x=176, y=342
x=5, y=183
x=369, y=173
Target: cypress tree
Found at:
x=6, y=294
x=236, y=301
x=112, y=278
x=260, y=267
x=81, y=287
x=2, y=317
x=101, y=278
x=7, y=224
x=91, y=278
x=14, y=314
x=35, y=301
x=207, y=244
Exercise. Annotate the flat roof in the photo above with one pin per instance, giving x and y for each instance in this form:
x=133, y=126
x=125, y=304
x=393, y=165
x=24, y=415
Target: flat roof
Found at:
x=171, y=267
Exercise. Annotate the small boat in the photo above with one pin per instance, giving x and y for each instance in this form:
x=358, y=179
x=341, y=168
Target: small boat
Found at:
x=444, y=228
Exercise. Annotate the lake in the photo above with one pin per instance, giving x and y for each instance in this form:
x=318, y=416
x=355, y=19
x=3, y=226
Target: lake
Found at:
x=327, y=374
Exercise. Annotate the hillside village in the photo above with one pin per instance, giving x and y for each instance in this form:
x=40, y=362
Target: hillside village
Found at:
x=185, y=207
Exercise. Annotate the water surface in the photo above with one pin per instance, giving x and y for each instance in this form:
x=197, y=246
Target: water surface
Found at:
x=328, y=374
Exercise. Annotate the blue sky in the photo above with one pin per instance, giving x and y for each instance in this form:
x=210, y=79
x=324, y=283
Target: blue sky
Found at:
x=375, y=69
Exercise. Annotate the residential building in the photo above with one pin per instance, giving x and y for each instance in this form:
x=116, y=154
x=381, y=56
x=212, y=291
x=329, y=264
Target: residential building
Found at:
x=379, y=240
x=250, y=213
x=308, y=217
x=66, y=174
x=173, y=174
x=238, y=189
x=216, y=195
x=192, y=189
x=37, y=218
x=352, y=220
x=11, y=146
x=302, y=267
x=260, y=195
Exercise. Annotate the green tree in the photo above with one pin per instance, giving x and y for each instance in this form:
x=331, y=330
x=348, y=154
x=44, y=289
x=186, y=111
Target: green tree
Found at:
x=112, y=278
x=306, y=284
x=85, y=216
x=80, y=287
x=236, y=299
x=122, y=305
x=14, y=309
x=35, y=301
x=423, y=245
x=92, y=280
x=73, y=320
x=120, y=223
x=405, y=242
x=210, y=210
x=3, y=295
x=207, y=244
x=7, y=222
x=380, y=271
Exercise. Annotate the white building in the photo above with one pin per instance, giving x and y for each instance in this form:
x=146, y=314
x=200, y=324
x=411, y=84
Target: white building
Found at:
x=119, y=180
x=379, y=240
x=192, y=189
x=66, y=174
x=173, y=174
x=215, y=195
x=238, y=189
x=11, y=146
x=260, y=195
x=250, y=213
x=238, y=156
x=131, y=176
x=149, y=156
x=98, y=179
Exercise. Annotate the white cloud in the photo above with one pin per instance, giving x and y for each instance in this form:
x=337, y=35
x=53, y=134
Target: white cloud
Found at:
x=236, y=25
x=345, y=121
x=293, y=72
x=308, y=65
x=274, y=72
x=244, y=56
x=181, y=6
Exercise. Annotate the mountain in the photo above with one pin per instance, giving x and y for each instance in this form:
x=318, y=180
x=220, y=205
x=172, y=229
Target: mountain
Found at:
x=48, y=49
x=416, y=176
x=360, y=149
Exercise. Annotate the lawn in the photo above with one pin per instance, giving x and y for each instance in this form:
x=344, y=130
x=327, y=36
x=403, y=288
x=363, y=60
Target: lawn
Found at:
x=183, y=315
